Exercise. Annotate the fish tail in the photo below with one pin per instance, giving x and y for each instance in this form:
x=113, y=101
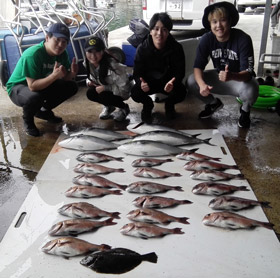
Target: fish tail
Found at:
x=240, y=177
x=121, y=170
x=177, y=175
x=177, y=231
x=117, y=192
x=265, y=204
x=243, y=188
x=178, y=188
x=119, y=158
x=150, y=257
x=206, y=141
x=115, y=215
x=122, y=187
x=216, y=158
x=186, y=202
x=110, y=222
x=104, y=247
x=184, y=220
x=169, y=160
x=266, y=225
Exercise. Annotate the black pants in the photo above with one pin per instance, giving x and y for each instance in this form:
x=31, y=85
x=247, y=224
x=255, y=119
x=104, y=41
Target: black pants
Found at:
x=177, y=95
x=107, y=98
x=49, y=98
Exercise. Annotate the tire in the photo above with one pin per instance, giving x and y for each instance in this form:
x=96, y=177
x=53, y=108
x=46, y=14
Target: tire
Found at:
x=241, y=9
x=118, y=53
x=3, y=72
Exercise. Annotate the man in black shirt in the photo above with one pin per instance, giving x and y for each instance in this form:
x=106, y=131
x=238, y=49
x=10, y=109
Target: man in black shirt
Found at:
x=231, y=51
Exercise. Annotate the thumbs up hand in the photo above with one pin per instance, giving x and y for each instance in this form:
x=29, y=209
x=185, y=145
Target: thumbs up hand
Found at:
x=169, y=85
x=225, y=75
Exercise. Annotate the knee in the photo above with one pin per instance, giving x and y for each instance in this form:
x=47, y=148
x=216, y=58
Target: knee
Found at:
x=191, y=84
x=91, y=94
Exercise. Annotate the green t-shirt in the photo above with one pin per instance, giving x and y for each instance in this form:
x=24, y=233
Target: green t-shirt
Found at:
x=35, y=63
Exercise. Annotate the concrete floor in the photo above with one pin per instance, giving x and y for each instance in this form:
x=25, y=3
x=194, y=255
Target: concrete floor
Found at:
x=256, y=151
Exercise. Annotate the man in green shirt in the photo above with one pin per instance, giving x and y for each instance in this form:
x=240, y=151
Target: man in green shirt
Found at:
x=43, y=78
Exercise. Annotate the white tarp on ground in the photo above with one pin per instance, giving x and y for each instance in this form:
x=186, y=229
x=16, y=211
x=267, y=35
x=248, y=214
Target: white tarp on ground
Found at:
x=202, y=251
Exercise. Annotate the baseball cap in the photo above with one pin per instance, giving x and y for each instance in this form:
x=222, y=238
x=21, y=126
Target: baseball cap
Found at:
x=60, y=30
x=94, y=43
x=232, y=13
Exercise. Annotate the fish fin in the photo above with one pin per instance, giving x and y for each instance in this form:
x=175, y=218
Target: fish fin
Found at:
x=122, y=187
x=177, y=231
x=195, y=135
x=186, y=202
x=265, y=204
x=150, y=257
x=105, y=247
x=240, y=176
x=141, y=123
x=143, y=236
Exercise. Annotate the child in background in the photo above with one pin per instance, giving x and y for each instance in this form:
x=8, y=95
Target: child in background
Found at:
x=108, y=80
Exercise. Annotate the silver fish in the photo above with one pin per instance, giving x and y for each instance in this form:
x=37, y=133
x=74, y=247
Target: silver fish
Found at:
x=143, y=128
x=148, y=172
x=70, y=247
x=216, y=189
x=229, y=220
x=158, y=202
x=211, y=175
x=148, y=148
x=235, y=203
x=94, y=157
x=191, y=155
x=171, y=138
x=106, y=134
x=98, y=181
x=85, y=191
x=74, y=227
x=95, y=169
x=86, y=143
x=145, y=231
x=86, y=211
x=154, y=217
x=208, y=165
x=149, y=162
x=150, y=187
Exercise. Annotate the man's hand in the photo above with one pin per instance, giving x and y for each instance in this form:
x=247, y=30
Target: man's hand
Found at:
x=205, y=90
x=59, y=71
x=144, y=85
x=225, y=75
x=74, y=67
x=169, y=85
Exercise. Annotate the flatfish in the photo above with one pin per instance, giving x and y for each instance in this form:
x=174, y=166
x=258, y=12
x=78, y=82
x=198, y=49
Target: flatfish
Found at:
x=117, y=261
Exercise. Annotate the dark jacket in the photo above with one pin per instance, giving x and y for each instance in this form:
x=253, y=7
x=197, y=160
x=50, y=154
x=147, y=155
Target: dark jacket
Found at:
x=157, y=67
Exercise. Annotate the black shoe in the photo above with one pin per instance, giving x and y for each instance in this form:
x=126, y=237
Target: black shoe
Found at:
x=49, y=116
x=211, y=109
x=31, y=129
x=170, y=112
x=244, y=120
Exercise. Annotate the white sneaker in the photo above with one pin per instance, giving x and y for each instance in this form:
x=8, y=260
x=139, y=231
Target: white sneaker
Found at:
x=121, y=114
x=106, y=112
